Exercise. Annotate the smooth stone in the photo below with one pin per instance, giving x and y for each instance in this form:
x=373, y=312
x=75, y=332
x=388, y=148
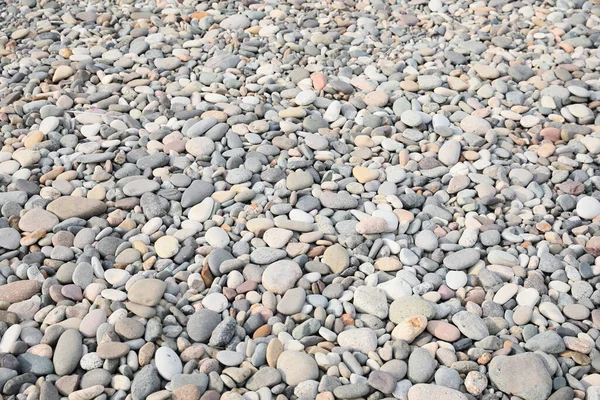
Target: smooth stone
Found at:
x=360, y=339
x=76, y=207
x=462, y=259
x=506, y=372
x=296, y=367
x=588, y=207
x=147, y=292
x=281, y=276
x=168, y=363
x=470, y=325
x=405, y=307
x=201, y=324
x=424, y=391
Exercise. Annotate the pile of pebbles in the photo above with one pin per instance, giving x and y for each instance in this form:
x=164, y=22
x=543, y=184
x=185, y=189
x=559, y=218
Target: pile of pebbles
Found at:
x=299, y=199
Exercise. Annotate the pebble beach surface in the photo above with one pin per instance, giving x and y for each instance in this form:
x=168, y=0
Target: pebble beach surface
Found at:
x=299, y=199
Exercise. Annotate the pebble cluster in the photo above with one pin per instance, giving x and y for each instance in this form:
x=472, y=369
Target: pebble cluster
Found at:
x=299, y=199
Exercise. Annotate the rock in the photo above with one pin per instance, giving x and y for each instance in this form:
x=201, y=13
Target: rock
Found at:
x=61, y=73
x=424, y=391
x=506, y=372
x=449, y=153
x=462, y=259
x=361, y=339
x=296, y=367
x=18, y=291
x=371, y=300
x=201, y=325
x=281, y=276
x=68, y=352
x=37, y=219
x=588, y=207
x=10, y=238
x=336, y=258
x=168, y=363
x=421, y=366
x=410, y=328
x=147, y=292
x=76, y=207
x=299, y=180
x=548, y=342
x=145, y=382
x=443, y=330
x=166, y=246
x=405, y=307
x=470, y=325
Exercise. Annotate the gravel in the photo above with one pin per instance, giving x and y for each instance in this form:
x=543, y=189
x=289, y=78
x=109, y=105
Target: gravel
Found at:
x=299, y=200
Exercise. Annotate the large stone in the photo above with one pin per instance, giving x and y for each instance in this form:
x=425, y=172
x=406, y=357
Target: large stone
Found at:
x=81, y=207
x=405, y=307
x=360, y=339
x=37, y=218
x=523, y=375
x=371, y=300
x=423, y=391
x=68, y=352
x=147, y=292
x=145, y=382
x=336, y=258
x=201, y=324
x=296, y=367
x=17, y=291
x=462, y=259
x=281, y=276
x=471, y=325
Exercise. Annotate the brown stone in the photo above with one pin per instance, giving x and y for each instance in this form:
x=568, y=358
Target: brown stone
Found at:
x=192, y=353
x=274, y=349
x=112, y=350
x=187, y=392
x=146, y=353
x=67, y=384
x=147, y=292
x=15, y=292
x=593, y=245
x=211, y=395
x=319, y=81
x=550, y=133
x=443, y=330
x=70, y=206
x=263, y=331
x=11, y=318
